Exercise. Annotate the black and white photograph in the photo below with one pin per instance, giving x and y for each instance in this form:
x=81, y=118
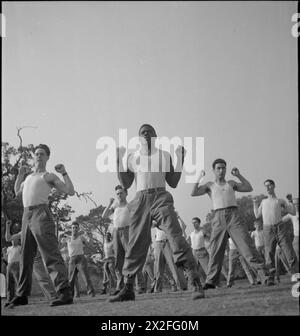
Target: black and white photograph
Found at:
x=150, y=161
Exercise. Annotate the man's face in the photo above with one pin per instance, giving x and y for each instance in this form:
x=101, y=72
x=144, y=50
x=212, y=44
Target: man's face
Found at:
x=196, y=224
x=108, y=237
x=269, y=187
x=40, y=157
x=220, y=170
x=75, y=229
x=121, y=195
x=146, y=133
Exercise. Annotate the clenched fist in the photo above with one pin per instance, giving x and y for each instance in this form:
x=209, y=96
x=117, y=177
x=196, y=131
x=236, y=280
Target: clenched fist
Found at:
x=180, y=151
x=24, y=169
x=235, y=172
x=60, y=168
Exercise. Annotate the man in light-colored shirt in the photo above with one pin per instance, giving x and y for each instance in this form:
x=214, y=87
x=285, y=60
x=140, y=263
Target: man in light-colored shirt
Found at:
x=120, y=211
x=163, y=257
x=78, y=261
x=258, y=236
x=38, y=227
x=198, y=245
x=13, y=268
x=109, y=273
x=151, y=168
x=275, y=232
x=39, y=269
x=234, y=257
x=226, y=221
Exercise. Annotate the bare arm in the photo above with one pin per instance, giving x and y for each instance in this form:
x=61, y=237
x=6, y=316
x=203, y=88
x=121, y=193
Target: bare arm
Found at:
x=109, y=209
x=125, y=176
x=244, y=186
x=23, y=170
x=173, y=175
x=8, y=236
x=66, y=186
x=257, y=210
x=199, y=190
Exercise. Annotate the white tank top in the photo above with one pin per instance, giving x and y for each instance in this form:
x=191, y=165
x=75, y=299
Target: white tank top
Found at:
x=222, y=196
x=121, y=217
x=35, y=190
x=149, y=171
x=197, y=240
x=160, y=235
x=75, y=246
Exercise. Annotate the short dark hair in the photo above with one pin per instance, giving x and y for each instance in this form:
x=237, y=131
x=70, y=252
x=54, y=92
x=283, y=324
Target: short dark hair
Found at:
x=197, y=219
x=270, y=181
x=75, y=223
x=44, y=147
x=218, y=161
x=118, y=187
x=148, y=125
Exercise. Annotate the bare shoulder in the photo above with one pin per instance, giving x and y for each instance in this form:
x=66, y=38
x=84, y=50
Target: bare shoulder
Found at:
x=232, y=183
x=50, y=177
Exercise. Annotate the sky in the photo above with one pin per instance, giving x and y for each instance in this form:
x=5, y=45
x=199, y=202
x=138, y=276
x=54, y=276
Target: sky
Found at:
x=224, y=71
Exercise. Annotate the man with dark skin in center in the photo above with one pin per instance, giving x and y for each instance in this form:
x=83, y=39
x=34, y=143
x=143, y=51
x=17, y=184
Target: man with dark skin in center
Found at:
x=152, y=168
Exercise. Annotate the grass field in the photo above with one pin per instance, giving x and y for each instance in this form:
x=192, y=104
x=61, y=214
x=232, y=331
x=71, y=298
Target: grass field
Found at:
x=239, y=300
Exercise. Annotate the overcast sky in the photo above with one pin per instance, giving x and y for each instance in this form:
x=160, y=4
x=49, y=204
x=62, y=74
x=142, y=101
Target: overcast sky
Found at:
x=225, y=71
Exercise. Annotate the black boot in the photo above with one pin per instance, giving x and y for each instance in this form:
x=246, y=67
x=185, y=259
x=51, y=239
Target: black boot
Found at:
x=17, y=301
x=209, y=286
x=64, y=297
x=198, y=292
x=126, y=294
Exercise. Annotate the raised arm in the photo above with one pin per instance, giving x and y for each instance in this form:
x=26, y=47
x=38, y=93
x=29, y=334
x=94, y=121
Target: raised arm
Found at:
x=109, y=209
x=125, y=176
x=174, y=174
x=257, y=209
x=244, y=186
x=23, y=170
x=199, y=190
x=8, y=236
x=66, y=186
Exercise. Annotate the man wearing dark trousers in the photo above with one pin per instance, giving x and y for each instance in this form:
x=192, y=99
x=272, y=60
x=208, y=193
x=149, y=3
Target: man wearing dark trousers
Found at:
x=38, y=228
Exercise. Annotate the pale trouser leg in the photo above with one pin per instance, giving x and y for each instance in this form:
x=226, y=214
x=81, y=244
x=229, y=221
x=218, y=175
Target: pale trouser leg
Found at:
x=233, y=259
x=270, y=248
x=218, y=242
x=159, y=265
x=242, y=239
x=42, y=277
x=120, y=246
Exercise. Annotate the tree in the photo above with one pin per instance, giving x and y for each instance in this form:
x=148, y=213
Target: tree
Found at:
x=12, y=207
